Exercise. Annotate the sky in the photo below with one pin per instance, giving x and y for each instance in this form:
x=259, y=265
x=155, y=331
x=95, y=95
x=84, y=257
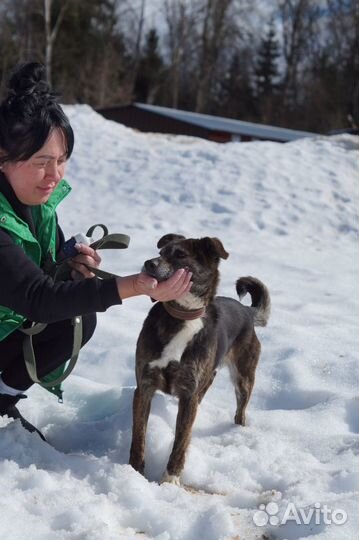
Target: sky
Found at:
x=287, y=214
x=254, y=14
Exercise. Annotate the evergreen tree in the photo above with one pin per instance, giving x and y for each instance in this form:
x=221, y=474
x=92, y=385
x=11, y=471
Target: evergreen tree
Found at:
x=236, y=94
x=90, y=57
x=150, y=72
x=266, y=69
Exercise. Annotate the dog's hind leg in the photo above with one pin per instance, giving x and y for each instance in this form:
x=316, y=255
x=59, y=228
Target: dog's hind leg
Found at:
x=141, y=410
x=242, y=366
x=243, y=390
x=206, y=386
x=187, y=410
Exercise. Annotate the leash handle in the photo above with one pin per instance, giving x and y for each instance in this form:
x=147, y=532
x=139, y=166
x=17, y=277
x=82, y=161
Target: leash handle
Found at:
x=107, y=241
x=112, y=241
x=93, y=227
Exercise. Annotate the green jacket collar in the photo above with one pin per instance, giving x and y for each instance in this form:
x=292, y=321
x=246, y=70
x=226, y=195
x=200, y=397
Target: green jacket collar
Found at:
x=10, y=221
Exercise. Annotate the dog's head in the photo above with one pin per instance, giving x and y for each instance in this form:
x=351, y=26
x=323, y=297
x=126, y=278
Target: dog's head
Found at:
x=201, y=256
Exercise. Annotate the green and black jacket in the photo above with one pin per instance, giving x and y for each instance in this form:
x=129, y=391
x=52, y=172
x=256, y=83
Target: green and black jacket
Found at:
x=29, y=236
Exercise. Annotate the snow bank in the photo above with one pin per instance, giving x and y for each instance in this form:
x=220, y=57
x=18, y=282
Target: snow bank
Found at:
x=288, y=215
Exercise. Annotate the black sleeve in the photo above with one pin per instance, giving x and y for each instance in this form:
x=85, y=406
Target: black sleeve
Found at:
x=27, y=290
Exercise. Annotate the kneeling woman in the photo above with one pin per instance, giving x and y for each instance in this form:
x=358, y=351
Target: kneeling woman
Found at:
x=36, y=141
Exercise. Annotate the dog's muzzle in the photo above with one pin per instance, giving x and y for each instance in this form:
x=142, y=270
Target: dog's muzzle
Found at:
x=157, y=269
x=150, y=267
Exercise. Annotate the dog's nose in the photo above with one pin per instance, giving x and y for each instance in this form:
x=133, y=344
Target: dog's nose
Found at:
x=150, y=265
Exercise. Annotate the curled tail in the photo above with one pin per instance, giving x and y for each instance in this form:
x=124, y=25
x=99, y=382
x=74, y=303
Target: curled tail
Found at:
x=260, y=298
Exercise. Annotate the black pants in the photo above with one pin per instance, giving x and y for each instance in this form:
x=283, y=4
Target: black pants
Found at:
x=52, y=347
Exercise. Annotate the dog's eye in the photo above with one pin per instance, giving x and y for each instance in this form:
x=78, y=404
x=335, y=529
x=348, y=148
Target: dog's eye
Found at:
x=179, y=254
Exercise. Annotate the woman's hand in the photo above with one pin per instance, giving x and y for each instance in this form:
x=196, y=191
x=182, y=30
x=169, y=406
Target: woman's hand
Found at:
x=171, y=289
x=88, y=256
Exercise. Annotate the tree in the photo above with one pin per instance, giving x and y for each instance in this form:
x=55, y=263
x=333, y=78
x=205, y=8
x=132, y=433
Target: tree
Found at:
x=216, y=30
x=150, y=71
x=267, y=76
x=209, y=57
x=180, y=41
x=20, y=37
x=298, y=18
x=236, y=99
x=131, y=20
x=343, y=40
x=266, y=70
x=91, y=64
x=51, y=32
x=81, y=43
x=331, y=82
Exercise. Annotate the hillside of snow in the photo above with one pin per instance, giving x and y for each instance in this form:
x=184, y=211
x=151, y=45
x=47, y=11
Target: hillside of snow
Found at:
x=287, y=214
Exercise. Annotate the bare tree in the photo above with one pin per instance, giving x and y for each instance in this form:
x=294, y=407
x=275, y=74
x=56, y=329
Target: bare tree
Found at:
x=181, y=19
x=206, y=57
x=137, y=54
x=131, y=18
x=216, y=29
x=202, y=38
x=298, y=19
x=343, y=38
x=51, y=32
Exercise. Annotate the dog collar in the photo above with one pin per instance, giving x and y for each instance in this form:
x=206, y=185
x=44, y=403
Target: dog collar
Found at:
x=183, y=314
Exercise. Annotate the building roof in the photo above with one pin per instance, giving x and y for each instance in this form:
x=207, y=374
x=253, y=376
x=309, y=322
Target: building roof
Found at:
x=228, y=125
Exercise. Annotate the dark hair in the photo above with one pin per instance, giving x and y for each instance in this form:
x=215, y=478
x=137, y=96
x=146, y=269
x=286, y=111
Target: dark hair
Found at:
x=29, y=113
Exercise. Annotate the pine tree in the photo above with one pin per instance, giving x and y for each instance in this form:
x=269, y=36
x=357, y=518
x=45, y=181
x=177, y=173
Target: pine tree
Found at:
x=90, y=56
x=236, y=93
x=266, y=69
x=150, y=72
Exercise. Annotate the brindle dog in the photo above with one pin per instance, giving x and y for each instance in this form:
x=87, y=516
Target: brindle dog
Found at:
x=183, y=342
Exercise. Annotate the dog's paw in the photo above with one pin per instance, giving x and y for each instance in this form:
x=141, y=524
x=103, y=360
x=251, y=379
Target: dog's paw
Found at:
x=171, y=478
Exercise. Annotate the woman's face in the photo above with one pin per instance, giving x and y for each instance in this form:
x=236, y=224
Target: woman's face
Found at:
x=35, y=179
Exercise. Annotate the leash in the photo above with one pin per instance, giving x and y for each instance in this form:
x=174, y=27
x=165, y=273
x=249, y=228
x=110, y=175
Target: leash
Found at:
x=29, y=355
x=107, y=241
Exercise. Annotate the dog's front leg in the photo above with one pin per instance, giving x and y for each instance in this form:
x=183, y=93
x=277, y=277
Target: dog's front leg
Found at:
x=187, y=410
x=141, y=410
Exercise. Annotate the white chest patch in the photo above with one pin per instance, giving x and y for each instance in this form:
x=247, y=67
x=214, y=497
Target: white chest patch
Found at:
x=174, y=349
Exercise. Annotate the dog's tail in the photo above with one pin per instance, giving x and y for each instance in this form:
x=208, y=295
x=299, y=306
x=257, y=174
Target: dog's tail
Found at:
x=260, y=298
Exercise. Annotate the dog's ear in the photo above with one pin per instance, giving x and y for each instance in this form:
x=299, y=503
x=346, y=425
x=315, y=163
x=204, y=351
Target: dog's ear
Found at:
x=214, y=247
x=167, y=238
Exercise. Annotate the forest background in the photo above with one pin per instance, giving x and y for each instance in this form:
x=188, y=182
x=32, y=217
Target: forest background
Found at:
x=291, y=63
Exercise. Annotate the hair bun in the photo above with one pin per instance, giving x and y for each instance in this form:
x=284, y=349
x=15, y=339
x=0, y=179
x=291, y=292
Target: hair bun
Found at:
x=29, y=79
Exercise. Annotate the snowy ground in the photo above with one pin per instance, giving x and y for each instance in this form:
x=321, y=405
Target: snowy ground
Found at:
x=286, y=214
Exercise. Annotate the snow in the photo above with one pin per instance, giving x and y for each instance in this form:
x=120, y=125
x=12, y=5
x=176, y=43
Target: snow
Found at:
x=287, y=214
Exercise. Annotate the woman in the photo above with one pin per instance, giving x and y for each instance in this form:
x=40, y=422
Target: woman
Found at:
x=36, y=140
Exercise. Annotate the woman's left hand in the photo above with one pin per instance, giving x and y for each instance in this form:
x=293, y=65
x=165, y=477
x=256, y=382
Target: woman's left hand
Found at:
x=86, y=256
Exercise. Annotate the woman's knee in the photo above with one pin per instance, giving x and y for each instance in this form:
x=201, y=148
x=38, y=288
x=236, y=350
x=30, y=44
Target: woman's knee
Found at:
x=88, y=327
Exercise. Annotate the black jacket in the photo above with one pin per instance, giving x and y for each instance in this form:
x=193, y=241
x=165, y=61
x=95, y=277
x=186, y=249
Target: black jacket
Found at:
x=29, y=291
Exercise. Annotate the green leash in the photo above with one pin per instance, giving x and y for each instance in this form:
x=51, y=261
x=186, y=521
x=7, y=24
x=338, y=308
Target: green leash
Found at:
x=107, y=241
x=29, y=355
